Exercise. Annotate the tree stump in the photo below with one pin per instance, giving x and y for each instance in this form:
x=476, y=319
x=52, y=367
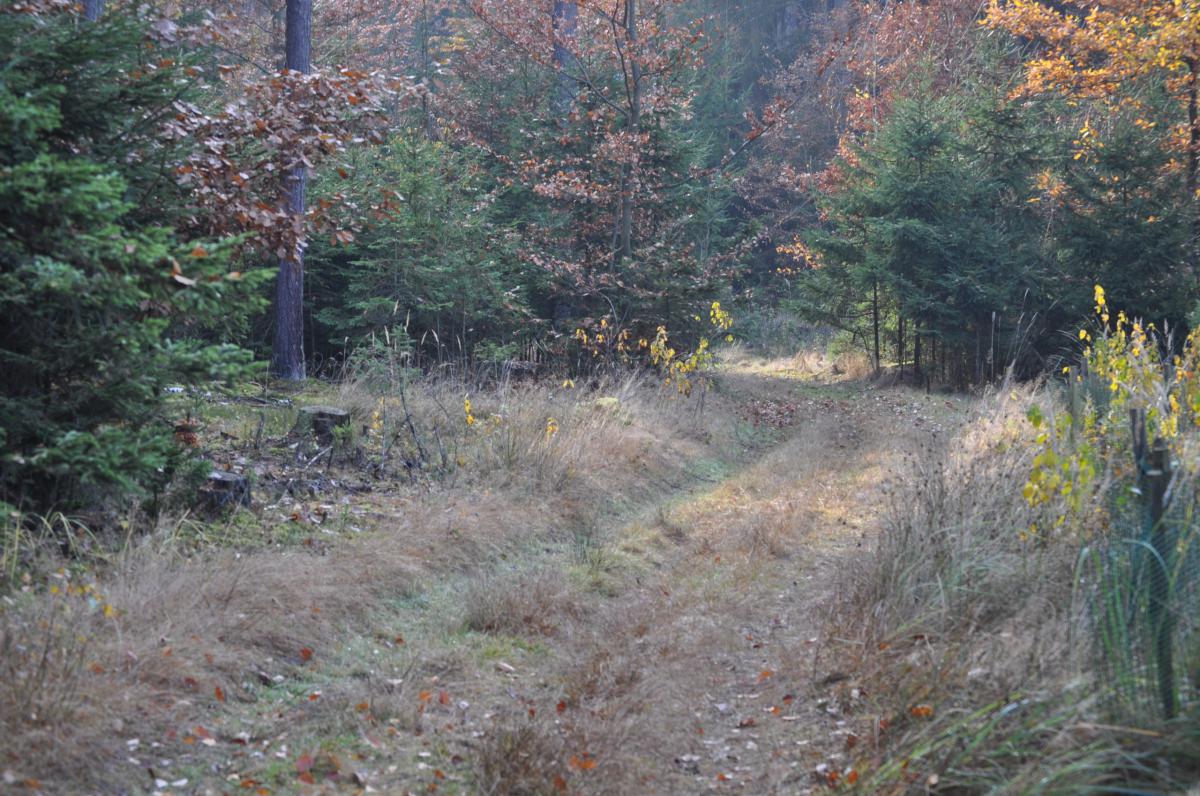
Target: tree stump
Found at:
x=322, y=422
x=225, y=490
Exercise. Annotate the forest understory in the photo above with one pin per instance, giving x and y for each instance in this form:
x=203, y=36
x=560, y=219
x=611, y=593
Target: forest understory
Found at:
x=659, y=594
x=623, y=610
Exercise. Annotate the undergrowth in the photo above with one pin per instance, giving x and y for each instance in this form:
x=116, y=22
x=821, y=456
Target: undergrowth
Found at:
x=1005, y=630
x=165, y=624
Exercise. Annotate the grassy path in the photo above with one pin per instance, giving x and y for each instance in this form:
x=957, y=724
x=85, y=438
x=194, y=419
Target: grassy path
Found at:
x=644, y=619
x=675, y=650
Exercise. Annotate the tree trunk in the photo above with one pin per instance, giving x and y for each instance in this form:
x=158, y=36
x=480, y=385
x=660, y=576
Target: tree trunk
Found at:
x=566, y=31
x=788, y=24
x=92, y=9
x=635, y=121
x=321, y=422
x=916, y=350
x=566, y=27
x=978, y=354
x=287, y=351
x=1193, y=154
x=224, y=491
x=875, y=320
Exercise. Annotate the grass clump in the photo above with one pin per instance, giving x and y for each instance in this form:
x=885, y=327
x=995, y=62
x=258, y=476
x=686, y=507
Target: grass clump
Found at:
x=520, y=758
x=523, y=604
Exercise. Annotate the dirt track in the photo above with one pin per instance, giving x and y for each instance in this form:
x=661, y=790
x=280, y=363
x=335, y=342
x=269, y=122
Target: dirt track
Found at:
x=652, y=625
x=705, y=670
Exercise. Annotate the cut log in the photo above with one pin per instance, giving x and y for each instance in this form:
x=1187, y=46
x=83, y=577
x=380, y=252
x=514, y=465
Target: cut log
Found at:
x=225, y=490
x=321, y=422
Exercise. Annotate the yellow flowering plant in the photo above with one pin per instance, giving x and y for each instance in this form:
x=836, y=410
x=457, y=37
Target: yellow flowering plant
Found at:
x=1125, y=367
x=608, y=341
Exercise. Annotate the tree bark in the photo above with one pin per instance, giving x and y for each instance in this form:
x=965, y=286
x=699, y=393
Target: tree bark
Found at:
x=287, y=350
x=788, y=24
x=916, y=350
x=566, y=28
x=1193, y=155
x=875, y=321
x=635, y=121
x=93, y=9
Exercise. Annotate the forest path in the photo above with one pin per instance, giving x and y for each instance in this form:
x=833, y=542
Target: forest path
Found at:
x=757, y=689
x=700, y=666
x=674, y=649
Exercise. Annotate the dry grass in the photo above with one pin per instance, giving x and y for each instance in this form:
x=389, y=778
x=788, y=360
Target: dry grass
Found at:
x=802, y=365
x=43, y=699
x=190, y=636
x=970, y=638
x=625, y=605
x=525, y=603
x=520, y=757
x=520, y=432
x=670, y=685
x=630, y=682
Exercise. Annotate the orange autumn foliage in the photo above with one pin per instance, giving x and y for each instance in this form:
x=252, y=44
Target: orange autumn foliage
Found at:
x=1094, y=50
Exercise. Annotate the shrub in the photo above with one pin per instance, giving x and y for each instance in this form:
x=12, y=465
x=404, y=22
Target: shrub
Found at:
x=100, y=311
x=435, y=269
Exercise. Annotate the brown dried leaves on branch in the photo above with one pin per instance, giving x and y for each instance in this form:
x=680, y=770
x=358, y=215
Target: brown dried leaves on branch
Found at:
x=273, y=127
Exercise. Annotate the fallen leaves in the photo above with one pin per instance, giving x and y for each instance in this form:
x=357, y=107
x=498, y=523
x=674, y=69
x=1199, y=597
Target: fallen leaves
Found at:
x=584, y=762
x=776, y=414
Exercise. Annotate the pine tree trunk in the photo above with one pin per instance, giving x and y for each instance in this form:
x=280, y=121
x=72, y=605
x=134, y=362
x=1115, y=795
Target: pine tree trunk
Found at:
x=978, y=354
x=287, y=353
x=566, y=30
x=788, y=24
x=93, y=9
x=635, y=121
x=917, y=350
x=566, y=27
x=1193, y=154
x=875, y=321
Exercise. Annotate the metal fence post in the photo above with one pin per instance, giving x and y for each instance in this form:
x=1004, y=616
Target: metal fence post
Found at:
x=1154, y=478
x=1158, y=477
